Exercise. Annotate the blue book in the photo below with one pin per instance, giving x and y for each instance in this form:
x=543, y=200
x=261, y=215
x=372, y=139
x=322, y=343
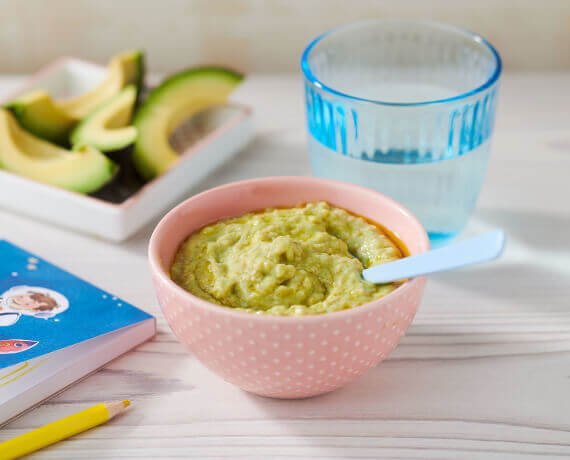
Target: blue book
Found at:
x=55, y=328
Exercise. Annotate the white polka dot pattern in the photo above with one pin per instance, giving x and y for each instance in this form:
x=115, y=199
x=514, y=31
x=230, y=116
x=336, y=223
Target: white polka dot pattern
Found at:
x=279, y=357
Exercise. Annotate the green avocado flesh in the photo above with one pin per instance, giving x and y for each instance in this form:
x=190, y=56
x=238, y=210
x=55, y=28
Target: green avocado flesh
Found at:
x=124, y=69
x=38, y=114
x=84, y=170
x=107, y=127
x=168, y=106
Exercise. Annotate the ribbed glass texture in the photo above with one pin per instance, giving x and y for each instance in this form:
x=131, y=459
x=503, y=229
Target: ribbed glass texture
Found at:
x=406, y=108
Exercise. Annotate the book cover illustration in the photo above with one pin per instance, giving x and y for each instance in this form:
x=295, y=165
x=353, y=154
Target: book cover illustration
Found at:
x=44, y=308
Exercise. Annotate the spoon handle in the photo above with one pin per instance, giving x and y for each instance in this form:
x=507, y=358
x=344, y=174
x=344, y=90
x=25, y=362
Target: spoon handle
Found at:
x=473, y=251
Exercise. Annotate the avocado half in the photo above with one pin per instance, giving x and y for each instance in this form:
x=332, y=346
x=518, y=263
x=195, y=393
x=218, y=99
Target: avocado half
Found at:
x=106, y=128
x=37, y=112
x=124, y=69
x=84, y=170
x=168, y=106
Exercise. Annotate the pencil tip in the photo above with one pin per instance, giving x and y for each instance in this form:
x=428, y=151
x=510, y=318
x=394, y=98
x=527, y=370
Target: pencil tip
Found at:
x=126, y=403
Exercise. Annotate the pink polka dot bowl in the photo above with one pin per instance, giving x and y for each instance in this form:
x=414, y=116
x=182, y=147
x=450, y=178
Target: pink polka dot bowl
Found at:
x=285, y=357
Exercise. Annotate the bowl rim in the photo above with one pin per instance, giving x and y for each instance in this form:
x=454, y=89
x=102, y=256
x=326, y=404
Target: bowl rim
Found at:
x=157, y=269
x=491, y=80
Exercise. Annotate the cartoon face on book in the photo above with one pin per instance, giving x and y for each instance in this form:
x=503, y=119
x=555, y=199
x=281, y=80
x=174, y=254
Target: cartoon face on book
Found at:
x=38, y=302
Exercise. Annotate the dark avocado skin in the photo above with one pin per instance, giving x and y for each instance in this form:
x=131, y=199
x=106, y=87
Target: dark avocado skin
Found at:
x=125, y=183
x=139, y=82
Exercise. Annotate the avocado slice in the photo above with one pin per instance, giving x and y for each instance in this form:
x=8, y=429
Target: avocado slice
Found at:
x=168, y=106
x=53, y=121
x=123, y=69
x=37, y=113
x=106, y=128
x=84, y=170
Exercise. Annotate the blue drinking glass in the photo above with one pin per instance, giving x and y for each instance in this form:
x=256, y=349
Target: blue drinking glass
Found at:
x=406, y=108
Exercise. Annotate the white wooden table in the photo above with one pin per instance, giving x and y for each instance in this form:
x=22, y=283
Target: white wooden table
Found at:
x=484, y=371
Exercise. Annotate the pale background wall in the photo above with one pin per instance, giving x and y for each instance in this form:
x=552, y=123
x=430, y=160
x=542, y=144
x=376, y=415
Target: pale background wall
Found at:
x=258, y=35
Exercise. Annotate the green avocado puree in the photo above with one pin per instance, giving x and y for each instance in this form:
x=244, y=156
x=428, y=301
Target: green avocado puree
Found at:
x=295, y=261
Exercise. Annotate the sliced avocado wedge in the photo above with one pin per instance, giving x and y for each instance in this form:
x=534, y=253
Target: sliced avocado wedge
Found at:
x=168, y=106
x=84, y=170
x=106, y=128
x=37, y=113
x=123, y=69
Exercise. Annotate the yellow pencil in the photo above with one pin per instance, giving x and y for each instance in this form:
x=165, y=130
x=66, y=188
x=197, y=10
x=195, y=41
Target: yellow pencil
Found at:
x=62, y=429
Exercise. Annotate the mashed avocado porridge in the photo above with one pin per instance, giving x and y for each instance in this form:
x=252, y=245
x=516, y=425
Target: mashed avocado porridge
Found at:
x=294, y=261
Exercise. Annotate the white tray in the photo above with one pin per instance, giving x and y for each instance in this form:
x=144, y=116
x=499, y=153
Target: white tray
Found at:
x=228, y=129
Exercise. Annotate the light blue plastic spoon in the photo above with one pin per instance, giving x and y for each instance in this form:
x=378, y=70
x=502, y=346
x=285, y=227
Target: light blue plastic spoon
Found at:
x=472, y=251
